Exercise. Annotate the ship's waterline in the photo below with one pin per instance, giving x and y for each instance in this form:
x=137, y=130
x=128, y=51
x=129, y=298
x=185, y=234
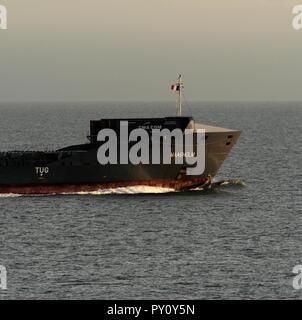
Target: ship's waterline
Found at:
x=75, y=188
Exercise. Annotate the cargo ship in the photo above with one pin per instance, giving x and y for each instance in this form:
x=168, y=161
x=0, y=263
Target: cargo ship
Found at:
x=76, y=168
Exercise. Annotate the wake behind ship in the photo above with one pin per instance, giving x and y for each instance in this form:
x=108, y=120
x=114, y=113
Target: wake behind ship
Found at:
x=76, y=168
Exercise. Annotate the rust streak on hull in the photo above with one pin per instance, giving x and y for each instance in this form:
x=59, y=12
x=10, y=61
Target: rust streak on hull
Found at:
x=73, y=188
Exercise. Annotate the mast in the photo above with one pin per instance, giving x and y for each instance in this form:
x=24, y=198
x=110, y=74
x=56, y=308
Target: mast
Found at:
x=178, y=102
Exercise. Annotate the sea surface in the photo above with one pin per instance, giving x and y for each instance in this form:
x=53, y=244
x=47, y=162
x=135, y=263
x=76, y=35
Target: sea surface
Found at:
x=237, y=241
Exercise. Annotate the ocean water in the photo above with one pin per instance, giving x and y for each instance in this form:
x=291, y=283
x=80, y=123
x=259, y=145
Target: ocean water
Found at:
x=237, y=241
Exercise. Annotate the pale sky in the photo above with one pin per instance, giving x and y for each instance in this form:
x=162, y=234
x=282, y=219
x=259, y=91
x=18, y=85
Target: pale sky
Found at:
x=100, y=50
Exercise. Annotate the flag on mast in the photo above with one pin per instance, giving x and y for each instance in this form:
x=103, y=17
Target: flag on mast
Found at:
x=175, y=87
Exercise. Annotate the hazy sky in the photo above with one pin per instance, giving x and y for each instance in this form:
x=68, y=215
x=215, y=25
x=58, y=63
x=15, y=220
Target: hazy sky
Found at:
x=67, y=50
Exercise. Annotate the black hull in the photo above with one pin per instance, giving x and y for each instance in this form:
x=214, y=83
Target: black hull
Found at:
x=76, y=169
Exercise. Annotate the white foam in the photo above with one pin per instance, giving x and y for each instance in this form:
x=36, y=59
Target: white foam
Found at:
x=9, y=195
x=238, y=182
x=127, y=190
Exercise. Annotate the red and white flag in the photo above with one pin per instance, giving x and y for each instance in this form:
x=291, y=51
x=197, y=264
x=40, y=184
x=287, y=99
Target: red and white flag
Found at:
x=175, y=87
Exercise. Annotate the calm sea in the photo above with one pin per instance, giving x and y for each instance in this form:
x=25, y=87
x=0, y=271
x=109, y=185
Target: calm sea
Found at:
x=235, y=241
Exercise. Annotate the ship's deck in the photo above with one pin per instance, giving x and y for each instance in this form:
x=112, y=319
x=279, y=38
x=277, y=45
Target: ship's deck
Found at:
x=212, y=128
